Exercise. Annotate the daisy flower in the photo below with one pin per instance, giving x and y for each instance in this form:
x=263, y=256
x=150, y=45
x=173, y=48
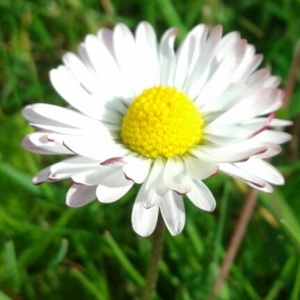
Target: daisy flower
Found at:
x=140, y=112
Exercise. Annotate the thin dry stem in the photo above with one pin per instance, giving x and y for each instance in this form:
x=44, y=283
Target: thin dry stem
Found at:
x=294, y=144
x=250, y=201
x=288, y=89
x=108, y=7
x=235, y=242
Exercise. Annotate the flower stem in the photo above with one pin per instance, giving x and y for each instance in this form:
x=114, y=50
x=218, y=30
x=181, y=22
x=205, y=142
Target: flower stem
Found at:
x=155, y=256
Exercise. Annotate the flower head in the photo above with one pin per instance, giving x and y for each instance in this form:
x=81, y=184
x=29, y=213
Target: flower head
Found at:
x=139, y=112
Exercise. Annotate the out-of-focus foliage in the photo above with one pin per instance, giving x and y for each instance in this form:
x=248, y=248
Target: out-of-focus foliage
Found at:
x=50, y=251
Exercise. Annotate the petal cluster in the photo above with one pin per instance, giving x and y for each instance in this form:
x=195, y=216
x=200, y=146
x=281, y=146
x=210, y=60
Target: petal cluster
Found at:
x=112, y=68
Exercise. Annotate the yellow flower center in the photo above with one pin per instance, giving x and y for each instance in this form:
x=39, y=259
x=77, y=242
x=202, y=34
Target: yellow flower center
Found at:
x=161, y=121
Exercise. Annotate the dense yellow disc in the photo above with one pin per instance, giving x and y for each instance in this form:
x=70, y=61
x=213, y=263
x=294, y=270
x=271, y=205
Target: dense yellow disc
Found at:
x=161, y=121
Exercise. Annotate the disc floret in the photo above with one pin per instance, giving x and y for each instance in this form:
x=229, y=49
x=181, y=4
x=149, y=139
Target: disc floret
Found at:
x=161, y=121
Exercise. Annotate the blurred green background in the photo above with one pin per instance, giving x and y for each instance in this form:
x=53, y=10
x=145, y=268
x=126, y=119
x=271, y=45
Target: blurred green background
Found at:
x=51, y=251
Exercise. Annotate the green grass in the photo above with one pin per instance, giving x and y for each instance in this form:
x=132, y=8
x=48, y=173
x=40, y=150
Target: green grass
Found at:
x=51, y=251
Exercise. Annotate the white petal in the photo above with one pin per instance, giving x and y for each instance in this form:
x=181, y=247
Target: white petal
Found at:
x=201, y=196
x=193, y=91
x=232, y=133
x=272, y=81
x=69, y=88
x=79, y=195
x=211, y=46
x=280, y=123
x=127, y=57
x=167, y=57
x=96, y=53
x=68, y=167
x=255, y=81
x=198, y=169
x=273, y=149
x=89, y=80
x=143, y=220
x=104, y=131
x=155, y=179
x=173, y=212
x=267, y=188
x=248, y=65
x=42, y=176
x=244, y=176
x=219, y=140
x=231, y=153
x=270, y=120
x=155, y=188
x=236, y=133
x=235, y=92
x=248, y=108
x=105, y=36
x=137, y=170
x=95, y=148
x=202, y=66
x=113, y=187
x=94, y=175
x=220, y=77
x=175, y=176
x=217, y=83
x=276, y=104
x=260, y=121
x=272, y=136
x=147, y=48
x=227, y=44
x=38, y=142
x=47, y=114
x=263, y=170
x=84, y=57
x=187, y=55
x=152, y=198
